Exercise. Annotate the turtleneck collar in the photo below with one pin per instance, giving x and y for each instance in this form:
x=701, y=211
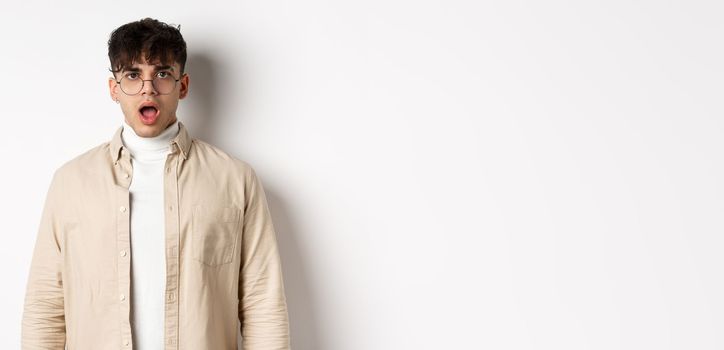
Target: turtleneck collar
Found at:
x=149, y=147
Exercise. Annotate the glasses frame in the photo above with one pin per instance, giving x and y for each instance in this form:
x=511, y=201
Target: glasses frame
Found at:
x=143, y=83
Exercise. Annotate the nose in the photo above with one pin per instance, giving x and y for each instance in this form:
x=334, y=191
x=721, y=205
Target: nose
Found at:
x=148, y=87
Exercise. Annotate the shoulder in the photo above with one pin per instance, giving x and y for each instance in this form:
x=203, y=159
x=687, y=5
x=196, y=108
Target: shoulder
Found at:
x=215, y=156
x=86, y=162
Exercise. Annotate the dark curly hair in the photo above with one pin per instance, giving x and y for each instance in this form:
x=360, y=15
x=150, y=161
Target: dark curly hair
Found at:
x=160, y=42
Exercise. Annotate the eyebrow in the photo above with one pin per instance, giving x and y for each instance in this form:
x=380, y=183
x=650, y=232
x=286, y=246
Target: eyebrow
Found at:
x=155, y=69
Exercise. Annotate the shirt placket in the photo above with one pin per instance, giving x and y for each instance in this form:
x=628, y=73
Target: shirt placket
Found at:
x=123, y=172
x=171, y=201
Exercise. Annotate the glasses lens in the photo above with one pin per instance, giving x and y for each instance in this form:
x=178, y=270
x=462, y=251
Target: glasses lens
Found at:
x=164, y=85
x=131, y=86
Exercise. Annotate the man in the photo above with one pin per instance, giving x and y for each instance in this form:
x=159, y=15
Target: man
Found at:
x=154, y=239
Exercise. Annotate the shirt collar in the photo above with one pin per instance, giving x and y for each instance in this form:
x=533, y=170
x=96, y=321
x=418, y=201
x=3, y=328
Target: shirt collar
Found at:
x=182, y=140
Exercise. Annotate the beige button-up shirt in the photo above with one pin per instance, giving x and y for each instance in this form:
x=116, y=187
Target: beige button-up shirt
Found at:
x=222, y=260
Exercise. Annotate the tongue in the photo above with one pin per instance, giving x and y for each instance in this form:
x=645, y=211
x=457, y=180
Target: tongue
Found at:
x=148, y=112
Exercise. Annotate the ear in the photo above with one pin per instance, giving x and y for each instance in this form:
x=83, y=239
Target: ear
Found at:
x=113, y=89
x=184, y=86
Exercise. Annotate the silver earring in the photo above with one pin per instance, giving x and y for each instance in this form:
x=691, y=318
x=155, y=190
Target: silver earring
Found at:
x=118, y=101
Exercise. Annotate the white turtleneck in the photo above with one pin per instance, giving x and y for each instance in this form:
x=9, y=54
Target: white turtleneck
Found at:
x=148, y=247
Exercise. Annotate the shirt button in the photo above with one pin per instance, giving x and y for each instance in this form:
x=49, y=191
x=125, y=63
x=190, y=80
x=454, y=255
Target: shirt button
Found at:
x=170, y=207
x=123, y=209
x=123, y=253
x=168, y=170
x=170, y=296
x=123, y=297
x=125, y=342
x=126, y=175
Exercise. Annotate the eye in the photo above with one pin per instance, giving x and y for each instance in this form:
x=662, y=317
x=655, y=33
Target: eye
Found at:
x=131, y=76
x=162, y=74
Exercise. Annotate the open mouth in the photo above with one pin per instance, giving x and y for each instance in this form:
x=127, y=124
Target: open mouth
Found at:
x=148, y=114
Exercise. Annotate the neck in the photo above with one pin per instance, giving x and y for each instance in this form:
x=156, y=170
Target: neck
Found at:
x=158, y=144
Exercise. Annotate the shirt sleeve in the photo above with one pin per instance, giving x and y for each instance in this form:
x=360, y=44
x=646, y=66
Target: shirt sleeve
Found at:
x=262, y=302
x=43, y=321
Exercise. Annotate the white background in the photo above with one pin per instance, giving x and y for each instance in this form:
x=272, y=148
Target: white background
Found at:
x=442, y=174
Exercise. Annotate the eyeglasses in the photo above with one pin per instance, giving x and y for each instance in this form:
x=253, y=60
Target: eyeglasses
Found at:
x=163, y=83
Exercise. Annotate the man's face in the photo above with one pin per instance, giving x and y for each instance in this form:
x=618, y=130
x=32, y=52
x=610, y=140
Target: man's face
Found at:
x=149, y=123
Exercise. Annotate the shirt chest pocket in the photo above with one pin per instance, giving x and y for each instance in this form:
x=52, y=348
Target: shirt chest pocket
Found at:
x=214, y=231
